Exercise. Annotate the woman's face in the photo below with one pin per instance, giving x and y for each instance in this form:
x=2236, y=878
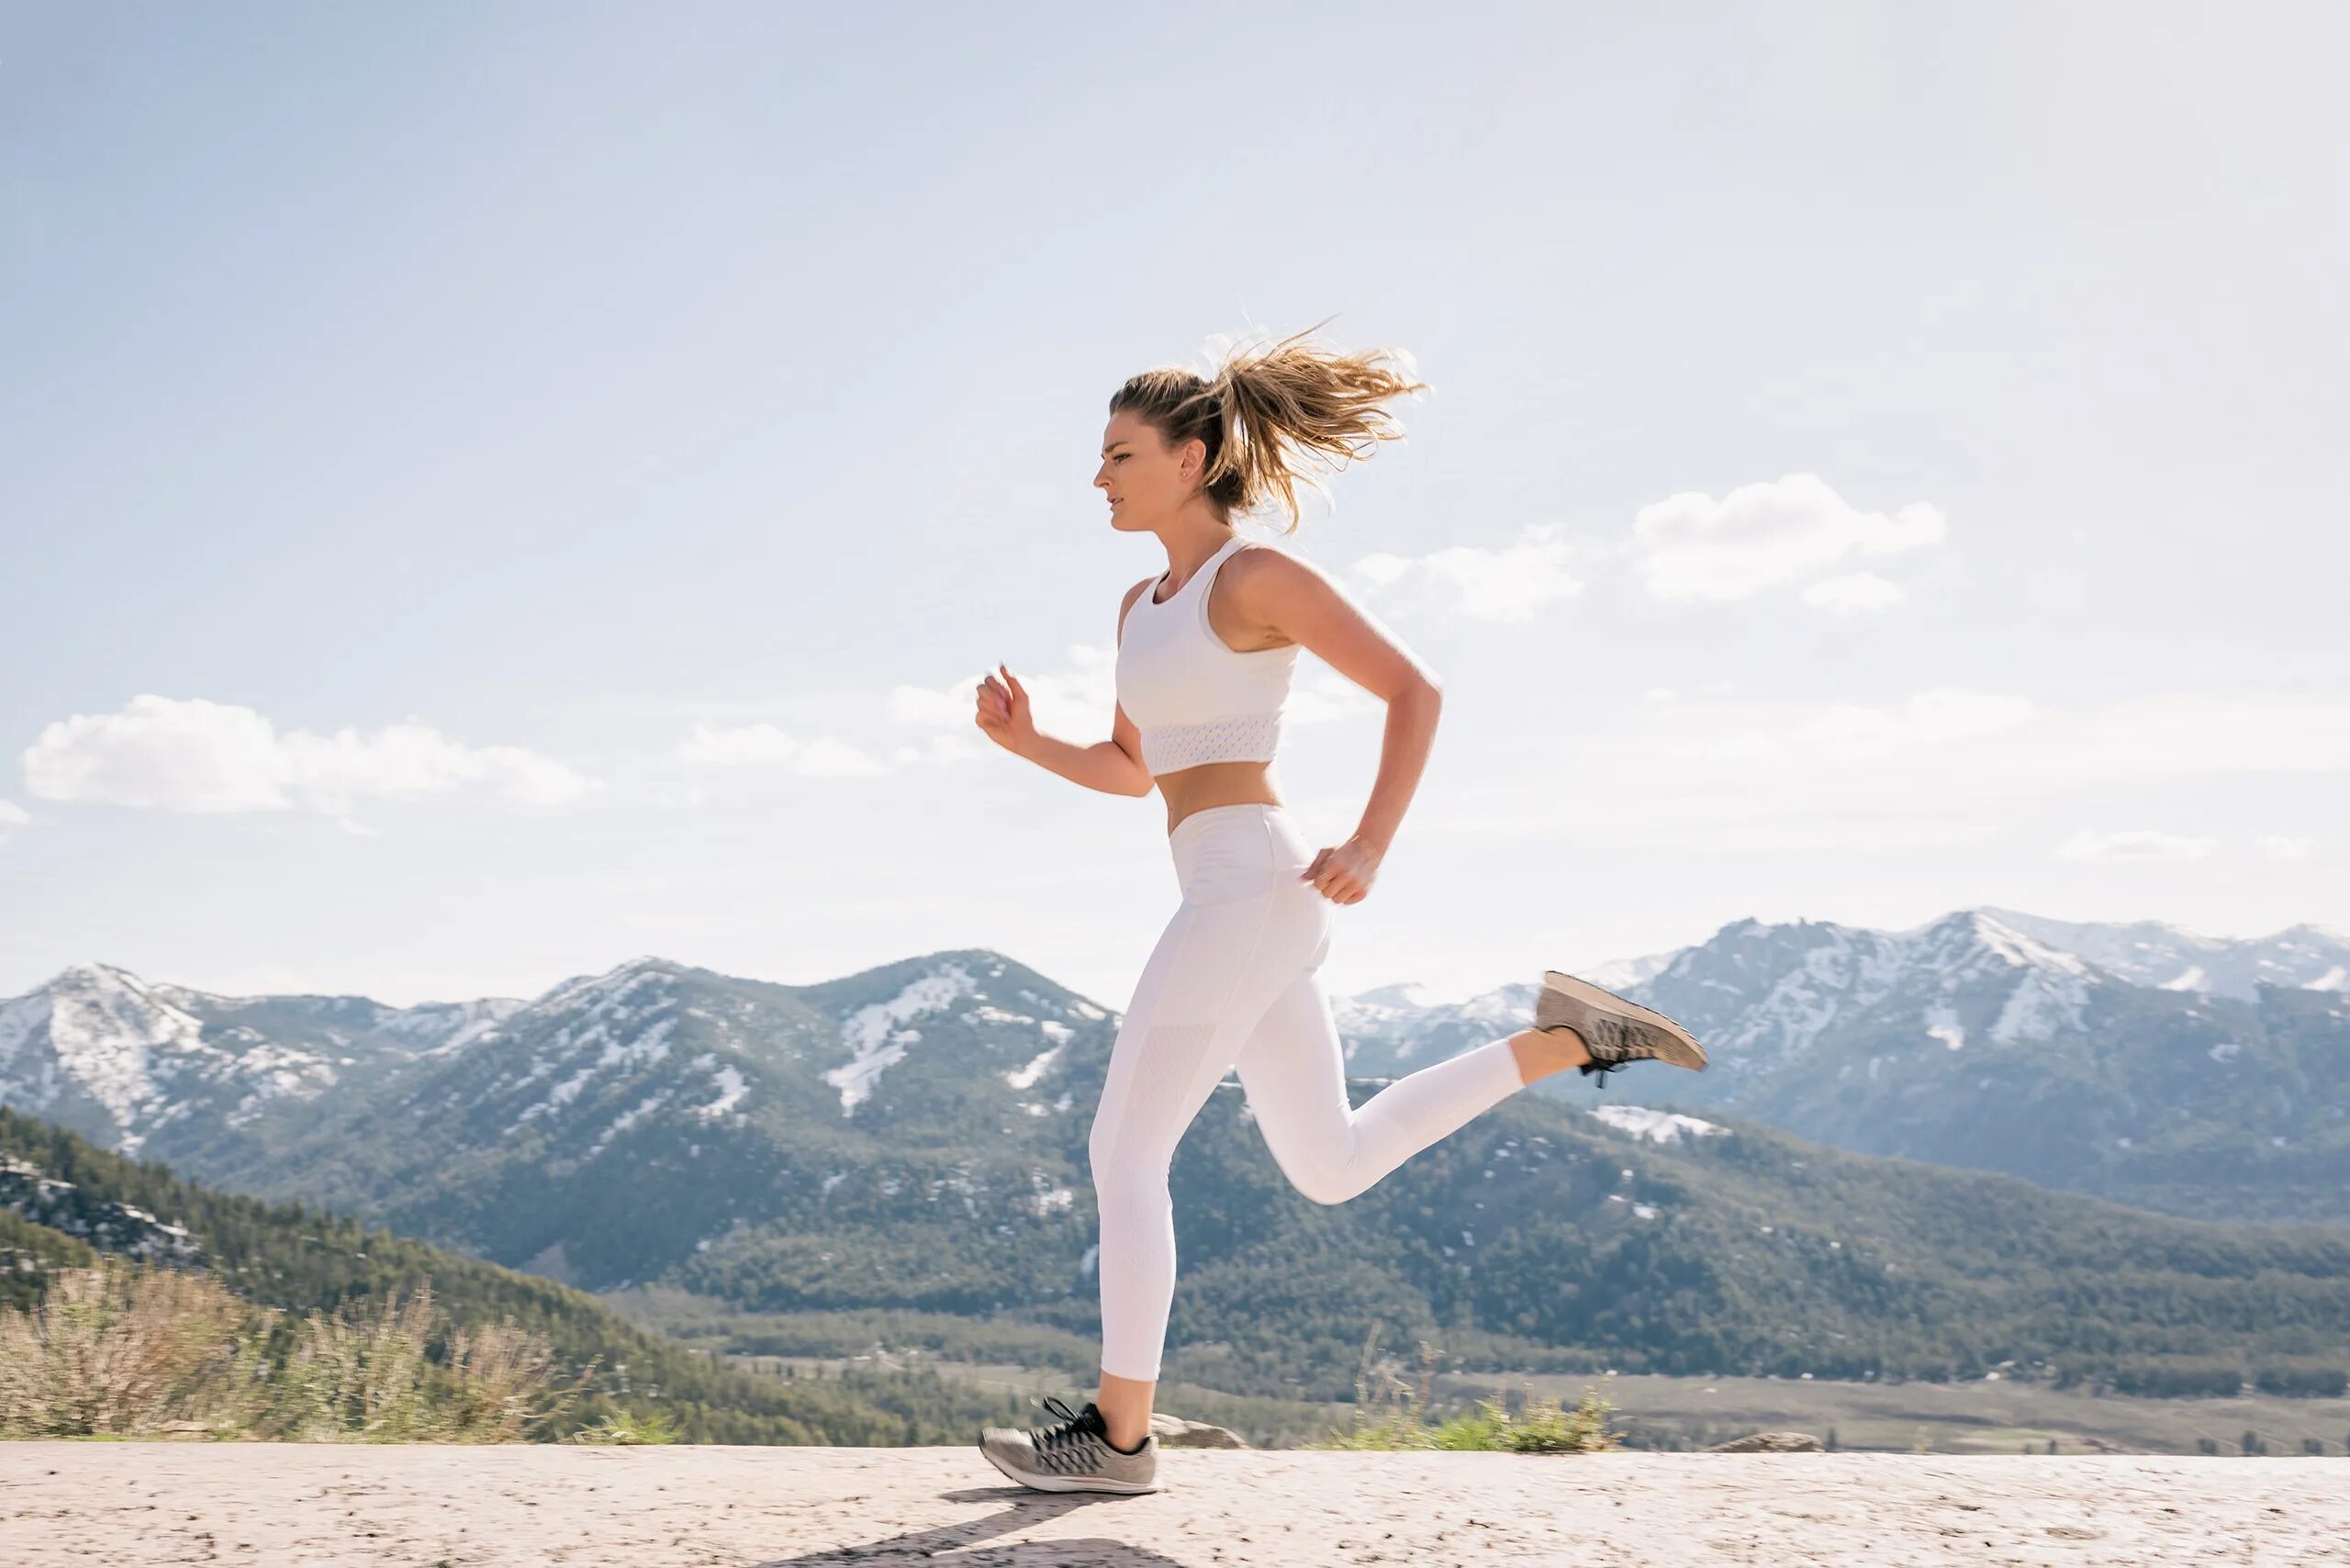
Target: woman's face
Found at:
x=1145, y=480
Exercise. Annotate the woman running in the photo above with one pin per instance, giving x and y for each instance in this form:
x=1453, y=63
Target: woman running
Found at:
x=1205, y=651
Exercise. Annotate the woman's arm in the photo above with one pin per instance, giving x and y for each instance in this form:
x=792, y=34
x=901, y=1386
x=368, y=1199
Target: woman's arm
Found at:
x=1291, y=598
x=1104, y=765
x=1114, y=766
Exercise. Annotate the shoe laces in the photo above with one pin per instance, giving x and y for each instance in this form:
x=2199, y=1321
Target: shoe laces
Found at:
x=1600, y=1071
x=1060, y=1441
x=1613, y=1045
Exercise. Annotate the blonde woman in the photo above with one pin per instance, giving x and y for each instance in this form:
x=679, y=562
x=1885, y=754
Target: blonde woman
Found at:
x=1205, y=651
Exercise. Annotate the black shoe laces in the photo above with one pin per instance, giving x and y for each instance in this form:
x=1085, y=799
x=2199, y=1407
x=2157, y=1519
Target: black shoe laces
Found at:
x=1066, y=1441
x=1613, y=1046
x=1600, y=1071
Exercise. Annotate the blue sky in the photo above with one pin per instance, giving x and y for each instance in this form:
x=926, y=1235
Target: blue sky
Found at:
x=489, y=491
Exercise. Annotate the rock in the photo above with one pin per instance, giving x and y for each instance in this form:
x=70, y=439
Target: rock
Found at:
x=1174, y=1432
x=1770, y=1442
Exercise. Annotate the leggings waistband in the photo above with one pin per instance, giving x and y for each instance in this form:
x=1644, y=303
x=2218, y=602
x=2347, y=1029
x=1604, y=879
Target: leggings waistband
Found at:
x=1223, y=853
x=1197, y=822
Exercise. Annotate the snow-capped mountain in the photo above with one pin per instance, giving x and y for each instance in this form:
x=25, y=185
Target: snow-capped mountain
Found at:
x=163, y=1070
x=941, y=1089
x=913, y=1138
x=717, y=1105
x=1971, y=1040
x=2147, y=952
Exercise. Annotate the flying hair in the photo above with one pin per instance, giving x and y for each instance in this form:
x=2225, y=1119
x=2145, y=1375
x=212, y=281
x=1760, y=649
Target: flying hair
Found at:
x=1275, y=416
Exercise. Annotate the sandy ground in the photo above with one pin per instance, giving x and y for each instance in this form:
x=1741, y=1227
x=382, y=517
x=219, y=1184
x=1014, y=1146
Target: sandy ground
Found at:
x=284, y=1505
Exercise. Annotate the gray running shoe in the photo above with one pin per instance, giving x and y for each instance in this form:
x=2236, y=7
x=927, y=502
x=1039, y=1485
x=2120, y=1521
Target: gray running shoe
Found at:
x=1615, y=1031
x=1071, y=1454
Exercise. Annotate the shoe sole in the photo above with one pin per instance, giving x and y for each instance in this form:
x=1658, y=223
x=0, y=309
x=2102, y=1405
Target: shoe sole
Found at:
x=1599, y=1001
x=1068, y=1483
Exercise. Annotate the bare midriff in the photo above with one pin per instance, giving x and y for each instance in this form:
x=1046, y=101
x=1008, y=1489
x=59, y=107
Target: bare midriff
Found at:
x=1189, y=789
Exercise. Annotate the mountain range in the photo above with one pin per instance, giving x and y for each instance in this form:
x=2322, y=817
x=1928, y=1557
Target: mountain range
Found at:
x=913, y=1138
x=2139, y=1062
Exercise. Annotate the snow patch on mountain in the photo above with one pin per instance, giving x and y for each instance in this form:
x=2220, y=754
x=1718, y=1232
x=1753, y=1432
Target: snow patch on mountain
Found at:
x=731, y=1086
x=1653, y=1125
x=2041, y=1005
x=875, y=1039
x=2022, y=950
x=444, y=1028
x=1022, y=1077
x=628, y=1119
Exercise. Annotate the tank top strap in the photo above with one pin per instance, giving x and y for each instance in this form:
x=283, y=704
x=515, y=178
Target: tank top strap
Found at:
x=1198, y=579
x=1205, y=577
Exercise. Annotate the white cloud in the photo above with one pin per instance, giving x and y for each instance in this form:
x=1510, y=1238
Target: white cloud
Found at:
x=12, y=817
x=2277, y=849
x=945, y=746
x=165, y=754
x=1849, y=730
x=2138, y=845
x=763, y=744
x=1509, y=583
x=1691, y=546
x=1943, y=767
x=1856, y=593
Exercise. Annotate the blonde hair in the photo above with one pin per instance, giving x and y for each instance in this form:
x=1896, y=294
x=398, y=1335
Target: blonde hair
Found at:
x=1269, y=413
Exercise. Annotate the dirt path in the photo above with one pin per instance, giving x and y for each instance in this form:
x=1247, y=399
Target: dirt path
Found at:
x=283, y=1505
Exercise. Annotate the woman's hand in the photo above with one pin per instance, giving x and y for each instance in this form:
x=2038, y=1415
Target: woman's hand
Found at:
x=1344, y=874
x=1004, y=712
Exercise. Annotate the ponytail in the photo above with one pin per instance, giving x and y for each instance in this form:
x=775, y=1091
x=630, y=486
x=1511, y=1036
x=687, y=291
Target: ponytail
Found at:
x=1269, y=415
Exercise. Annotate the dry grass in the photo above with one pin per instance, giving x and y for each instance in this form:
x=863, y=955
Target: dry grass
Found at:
x=123, y=1352
x=126, y=1351
x=1392, y=1413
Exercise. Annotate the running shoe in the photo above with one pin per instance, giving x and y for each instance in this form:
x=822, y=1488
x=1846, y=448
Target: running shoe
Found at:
x=1615, y=1031
x=1071, y=1454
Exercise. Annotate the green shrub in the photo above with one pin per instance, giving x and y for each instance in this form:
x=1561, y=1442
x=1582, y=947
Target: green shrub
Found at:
x=627, y=1427
x=1390, y=1413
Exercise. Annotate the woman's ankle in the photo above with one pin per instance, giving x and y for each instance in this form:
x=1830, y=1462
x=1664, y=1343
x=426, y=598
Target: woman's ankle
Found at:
x=1125, y=1404
x=1542, y=1052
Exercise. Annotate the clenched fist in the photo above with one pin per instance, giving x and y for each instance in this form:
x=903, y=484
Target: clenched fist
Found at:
x=1344, y=872
x=1004, y=712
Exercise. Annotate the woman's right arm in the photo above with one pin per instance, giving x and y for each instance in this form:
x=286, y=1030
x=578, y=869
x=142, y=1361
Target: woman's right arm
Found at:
x=1114, y=766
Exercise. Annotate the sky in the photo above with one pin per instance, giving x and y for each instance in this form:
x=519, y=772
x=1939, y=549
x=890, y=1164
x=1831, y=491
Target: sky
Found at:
x=489, y=491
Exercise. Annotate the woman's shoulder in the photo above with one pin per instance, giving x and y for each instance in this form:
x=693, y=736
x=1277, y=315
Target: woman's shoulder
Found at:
x=1261, y=562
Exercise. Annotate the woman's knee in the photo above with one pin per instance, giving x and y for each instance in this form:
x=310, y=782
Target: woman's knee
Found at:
x=1322, y=1183
x=1120, y=1169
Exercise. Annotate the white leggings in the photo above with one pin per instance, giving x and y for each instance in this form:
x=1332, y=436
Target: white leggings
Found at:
x=1232, y=984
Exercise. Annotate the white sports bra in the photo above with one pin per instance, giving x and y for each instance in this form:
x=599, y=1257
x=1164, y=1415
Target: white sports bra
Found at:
x=1194, y=697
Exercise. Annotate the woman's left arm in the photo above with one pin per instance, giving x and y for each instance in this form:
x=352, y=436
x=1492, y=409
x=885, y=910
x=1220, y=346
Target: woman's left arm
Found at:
x=1294, y=601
